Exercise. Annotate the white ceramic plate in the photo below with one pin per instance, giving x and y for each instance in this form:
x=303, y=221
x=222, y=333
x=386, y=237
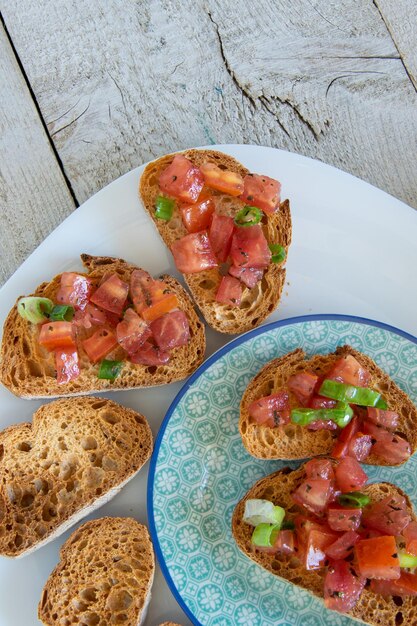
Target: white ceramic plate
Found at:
x=353, y=252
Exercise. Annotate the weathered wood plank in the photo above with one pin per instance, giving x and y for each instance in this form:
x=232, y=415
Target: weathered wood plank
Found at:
x=33, y=194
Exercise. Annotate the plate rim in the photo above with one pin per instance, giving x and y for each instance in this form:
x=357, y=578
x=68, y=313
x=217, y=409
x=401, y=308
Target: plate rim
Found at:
x=228, y=347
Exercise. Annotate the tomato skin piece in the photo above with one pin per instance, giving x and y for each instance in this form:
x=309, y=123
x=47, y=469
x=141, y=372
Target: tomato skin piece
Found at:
x=182, y=179
x=229, y=291
x=285, y=543
x=348, y=370
x=360, y=446
x=389, y=516
x=249, y=276
x=132, y=332
x=170, y=331
x=111, y=295
x=349, y=475
x=410, y=536
x=314, y=495
x=405, y=585
x=220, y=234
x=197, y=216
x=341, y=519
x=273, y=410
x=225, y=181
x=193, y=253
x=377, y=558
x=150, y=355
x=262, y=192
x=57, y=335
x=386, y=419
x=302, y=385
x=66, y=363
x=250, y=248
x=319, y=468
x=342, y=586
x=74, y=290
x=99, y=345
x=343, y=545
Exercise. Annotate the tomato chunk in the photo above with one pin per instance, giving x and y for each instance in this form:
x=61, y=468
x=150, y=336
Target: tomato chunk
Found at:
x=349, y=475
x=319, y=468
x=313, y=551
x=111, y=294
x=151, y=298
x=99, y=345
x=74, y=290
x=322, y=425
x=140, y=283
x=377, y=558
x=320, y=402
x=285, y=543
x=343, y=546
x=302, y=386
x=193, y=253
x=389, y=515
x=348, y=370
x=342, y=586
x=342, y=519
x=222, y=180
x=313, y=494
x=229, y=291
x=197, y=216
x=150, y=355
x=405, y=585
x=273, y=410
x=220, y=234
x=250, y=248
x=132, y=332
x=56, y=335
x=410, y=536
x=90, y=316
x=386, y=419
x=182, y=179
x=66, y=363
x=171, y=330
x=262, y=192
x=393, y=449
x=249, y=276
x=360, y=446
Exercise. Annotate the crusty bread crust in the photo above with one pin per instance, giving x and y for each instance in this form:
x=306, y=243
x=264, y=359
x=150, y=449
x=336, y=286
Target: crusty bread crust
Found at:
x=75, y=457
x=258, y=302
x=297, y=442
x=104, y=576
x=277, y=487
x=28, y=370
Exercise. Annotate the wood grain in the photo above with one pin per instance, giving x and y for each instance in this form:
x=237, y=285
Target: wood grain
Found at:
x=33, y=193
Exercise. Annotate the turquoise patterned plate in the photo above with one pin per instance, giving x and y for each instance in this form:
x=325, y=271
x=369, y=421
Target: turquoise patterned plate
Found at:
x=200, y=469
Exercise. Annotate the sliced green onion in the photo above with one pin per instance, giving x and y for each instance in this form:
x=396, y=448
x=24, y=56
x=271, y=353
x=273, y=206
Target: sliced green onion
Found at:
x=259, y=511
x=34, y=310
x=248, y=216
x=164, y=208
x=264, y=535
x=110, y=369
x=353, y=395
x=353, y=500
x=278, y=252
x=407, y=560
x=61, y=313
x=287, y=524
x=340, y=415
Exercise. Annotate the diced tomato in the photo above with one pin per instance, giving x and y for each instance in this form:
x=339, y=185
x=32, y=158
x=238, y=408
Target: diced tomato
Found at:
x=343, y=545
x=302, y=386
x=389, y=515
x=132, y=332
x=342, y=519
x=410, y=536
x=313, y=551
x=262, y=192
x=351, y=429
x=250, y=276
x=111, y=295
x=220, y=234
x=197, y=216
x=100, y=344
x=320, y=402
x=193, y=253
x=322, y=425
x=140, y=283
x=386, y=419
x=342, y=586
x=161, y=304
x=284, y=543
x=377, y=558
x=360, y=446
x=319, y=468
x=348, y=370
x=182, y=179
x=273, y=410
x=74, y=290
x=66, y=363
x=90, y=316
x=250, y=248
x=229, y=291
x=339, y=450
x=313, y=495
x=171, y=330
x=405, y=585
x=112, y=319
x=394, y=450
x=222, y=180
x=349, y=475
x=150, y=355
x=56, y=335
x=151, y=298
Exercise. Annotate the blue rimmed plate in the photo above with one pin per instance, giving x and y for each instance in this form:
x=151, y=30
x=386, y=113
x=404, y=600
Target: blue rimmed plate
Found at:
x=200, y=470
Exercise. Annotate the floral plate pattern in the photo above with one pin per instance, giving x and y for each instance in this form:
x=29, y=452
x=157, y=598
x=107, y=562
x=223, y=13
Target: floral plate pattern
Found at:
x=200, y=470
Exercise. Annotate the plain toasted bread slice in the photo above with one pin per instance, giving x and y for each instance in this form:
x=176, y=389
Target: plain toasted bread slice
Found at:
x=28, y=370
x=104, y=576
x=258, y=302
x=76, y=455
x=297, y=442
x=277, y=487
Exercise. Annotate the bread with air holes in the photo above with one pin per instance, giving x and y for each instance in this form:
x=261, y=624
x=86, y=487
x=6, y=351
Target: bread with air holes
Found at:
x=258, y=302
x=373, y=609
x=76, y=455
x=104, y=576
x=28, y=370
x=297, y=442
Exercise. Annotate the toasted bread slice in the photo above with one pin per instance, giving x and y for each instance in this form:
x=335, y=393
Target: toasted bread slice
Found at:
x=75, y=457
x=28, y=370
x=297, y=442
x=257, y=303
x=277, y=487
x=104, y=576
